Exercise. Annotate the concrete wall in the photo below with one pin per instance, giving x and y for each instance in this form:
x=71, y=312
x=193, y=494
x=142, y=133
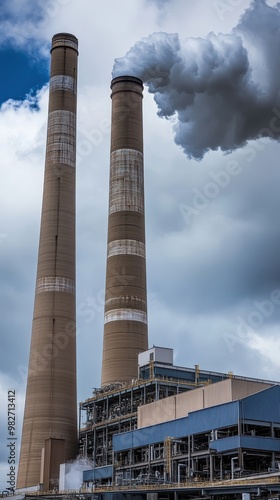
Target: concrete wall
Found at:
x=181, y=405
x=242, y=388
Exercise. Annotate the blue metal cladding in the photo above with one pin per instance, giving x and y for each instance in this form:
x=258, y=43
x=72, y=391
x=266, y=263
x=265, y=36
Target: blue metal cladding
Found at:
x=248, y=442
x=98, y=473
x=213, y=418
x=88, y=475
x=225, y=444
x=260, y=443
x=150, y=435
x=199, y=421
x=172, y=372
x=263, y=406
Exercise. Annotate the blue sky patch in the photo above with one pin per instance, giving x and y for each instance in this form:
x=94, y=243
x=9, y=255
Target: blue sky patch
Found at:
x=21, y=74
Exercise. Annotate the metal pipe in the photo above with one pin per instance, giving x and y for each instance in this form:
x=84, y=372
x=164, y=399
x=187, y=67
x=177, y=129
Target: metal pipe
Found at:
x=232, y=466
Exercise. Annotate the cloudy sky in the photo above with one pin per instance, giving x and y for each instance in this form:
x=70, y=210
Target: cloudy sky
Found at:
x=212, y=179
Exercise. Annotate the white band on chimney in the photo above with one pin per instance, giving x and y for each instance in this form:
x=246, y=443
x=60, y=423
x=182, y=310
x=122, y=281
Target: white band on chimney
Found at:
x=125, y=315
x=139, y=303
x=126, y=181
x=55, y=284
x=63, y=82
x=60, y=42
x=61, y=137
x=126, y=247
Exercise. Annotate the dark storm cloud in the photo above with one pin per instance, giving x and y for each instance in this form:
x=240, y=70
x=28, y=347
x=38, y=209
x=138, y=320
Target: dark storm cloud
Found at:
x=226, y=253
x=223, y=90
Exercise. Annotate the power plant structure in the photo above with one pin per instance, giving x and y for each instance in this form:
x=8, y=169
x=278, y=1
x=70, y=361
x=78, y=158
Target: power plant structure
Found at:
x=182, y=433
x=49, y=435
x=153, y=430
x=125, y=322
x=156, y=430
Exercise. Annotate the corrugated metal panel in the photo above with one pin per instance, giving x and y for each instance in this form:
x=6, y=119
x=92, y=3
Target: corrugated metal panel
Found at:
x=225, y=444
x=196, y=422
x=263, y=406
x=173, y=372
x=98, y=473
x=260, y=443
x=150, y=435
x=248, y=442
x=88, y=475
x=213, y=418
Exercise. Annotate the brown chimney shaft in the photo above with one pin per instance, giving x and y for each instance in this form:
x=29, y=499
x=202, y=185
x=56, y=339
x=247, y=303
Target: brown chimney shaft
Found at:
x=49, y=434
x=125, y=323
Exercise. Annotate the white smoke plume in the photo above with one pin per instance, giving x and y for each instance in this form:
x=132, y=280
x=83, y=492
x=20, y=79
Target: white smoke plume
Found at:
x=71, y=476
x=223, y=90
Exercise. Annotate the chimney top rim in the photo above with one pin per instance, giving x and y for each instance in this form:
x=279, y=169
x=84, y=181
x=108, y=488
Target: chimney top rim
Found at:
x=64, y=39
x=126, y=78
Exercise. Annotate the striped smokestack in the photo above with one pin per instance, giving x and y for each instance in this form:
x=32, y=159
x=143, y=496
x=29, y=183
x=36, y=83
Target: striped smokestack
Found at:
x=49, y=435
x=125, y=323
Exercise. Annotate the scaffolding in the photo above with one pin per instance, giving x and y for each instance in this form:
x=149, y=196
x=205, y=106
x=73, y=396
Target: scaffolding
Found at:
x=113, y=410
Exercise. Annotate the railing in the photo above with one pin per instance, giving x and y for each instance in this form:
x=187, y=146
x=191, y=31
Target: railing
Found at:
x=166, y=486
x=140, y=382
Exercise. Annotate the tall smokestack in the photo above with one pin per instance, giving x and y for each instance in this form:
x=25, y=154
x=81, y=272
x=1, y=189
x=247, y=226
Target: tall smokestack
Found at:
x=49, y=435
x=125, y=328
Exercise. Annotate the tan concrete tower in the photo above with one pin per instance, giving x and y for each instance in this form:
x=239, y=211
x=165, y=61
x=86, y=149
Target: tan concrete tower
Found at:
x=125, y=322
x=49, y=435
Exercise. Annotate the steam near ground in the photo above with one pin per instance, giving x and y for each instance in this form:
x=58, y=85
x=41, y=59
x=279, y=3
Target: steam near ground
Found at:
x=74, y=474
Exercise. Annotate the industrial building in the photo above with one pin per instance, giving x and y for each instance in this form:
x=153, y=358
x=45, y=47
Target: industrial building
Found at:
x=179, y=427
x=152, y=430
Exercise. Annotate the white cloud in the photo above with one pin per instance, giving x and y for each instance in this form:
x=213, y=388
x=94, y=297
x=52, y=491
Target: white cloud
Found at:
x=267, y=345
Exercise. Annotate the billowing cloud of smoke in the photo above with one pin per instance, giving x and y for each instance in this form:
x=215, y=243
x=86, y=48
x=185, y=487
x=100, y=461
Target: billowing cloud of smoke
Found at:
x=222, y=90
